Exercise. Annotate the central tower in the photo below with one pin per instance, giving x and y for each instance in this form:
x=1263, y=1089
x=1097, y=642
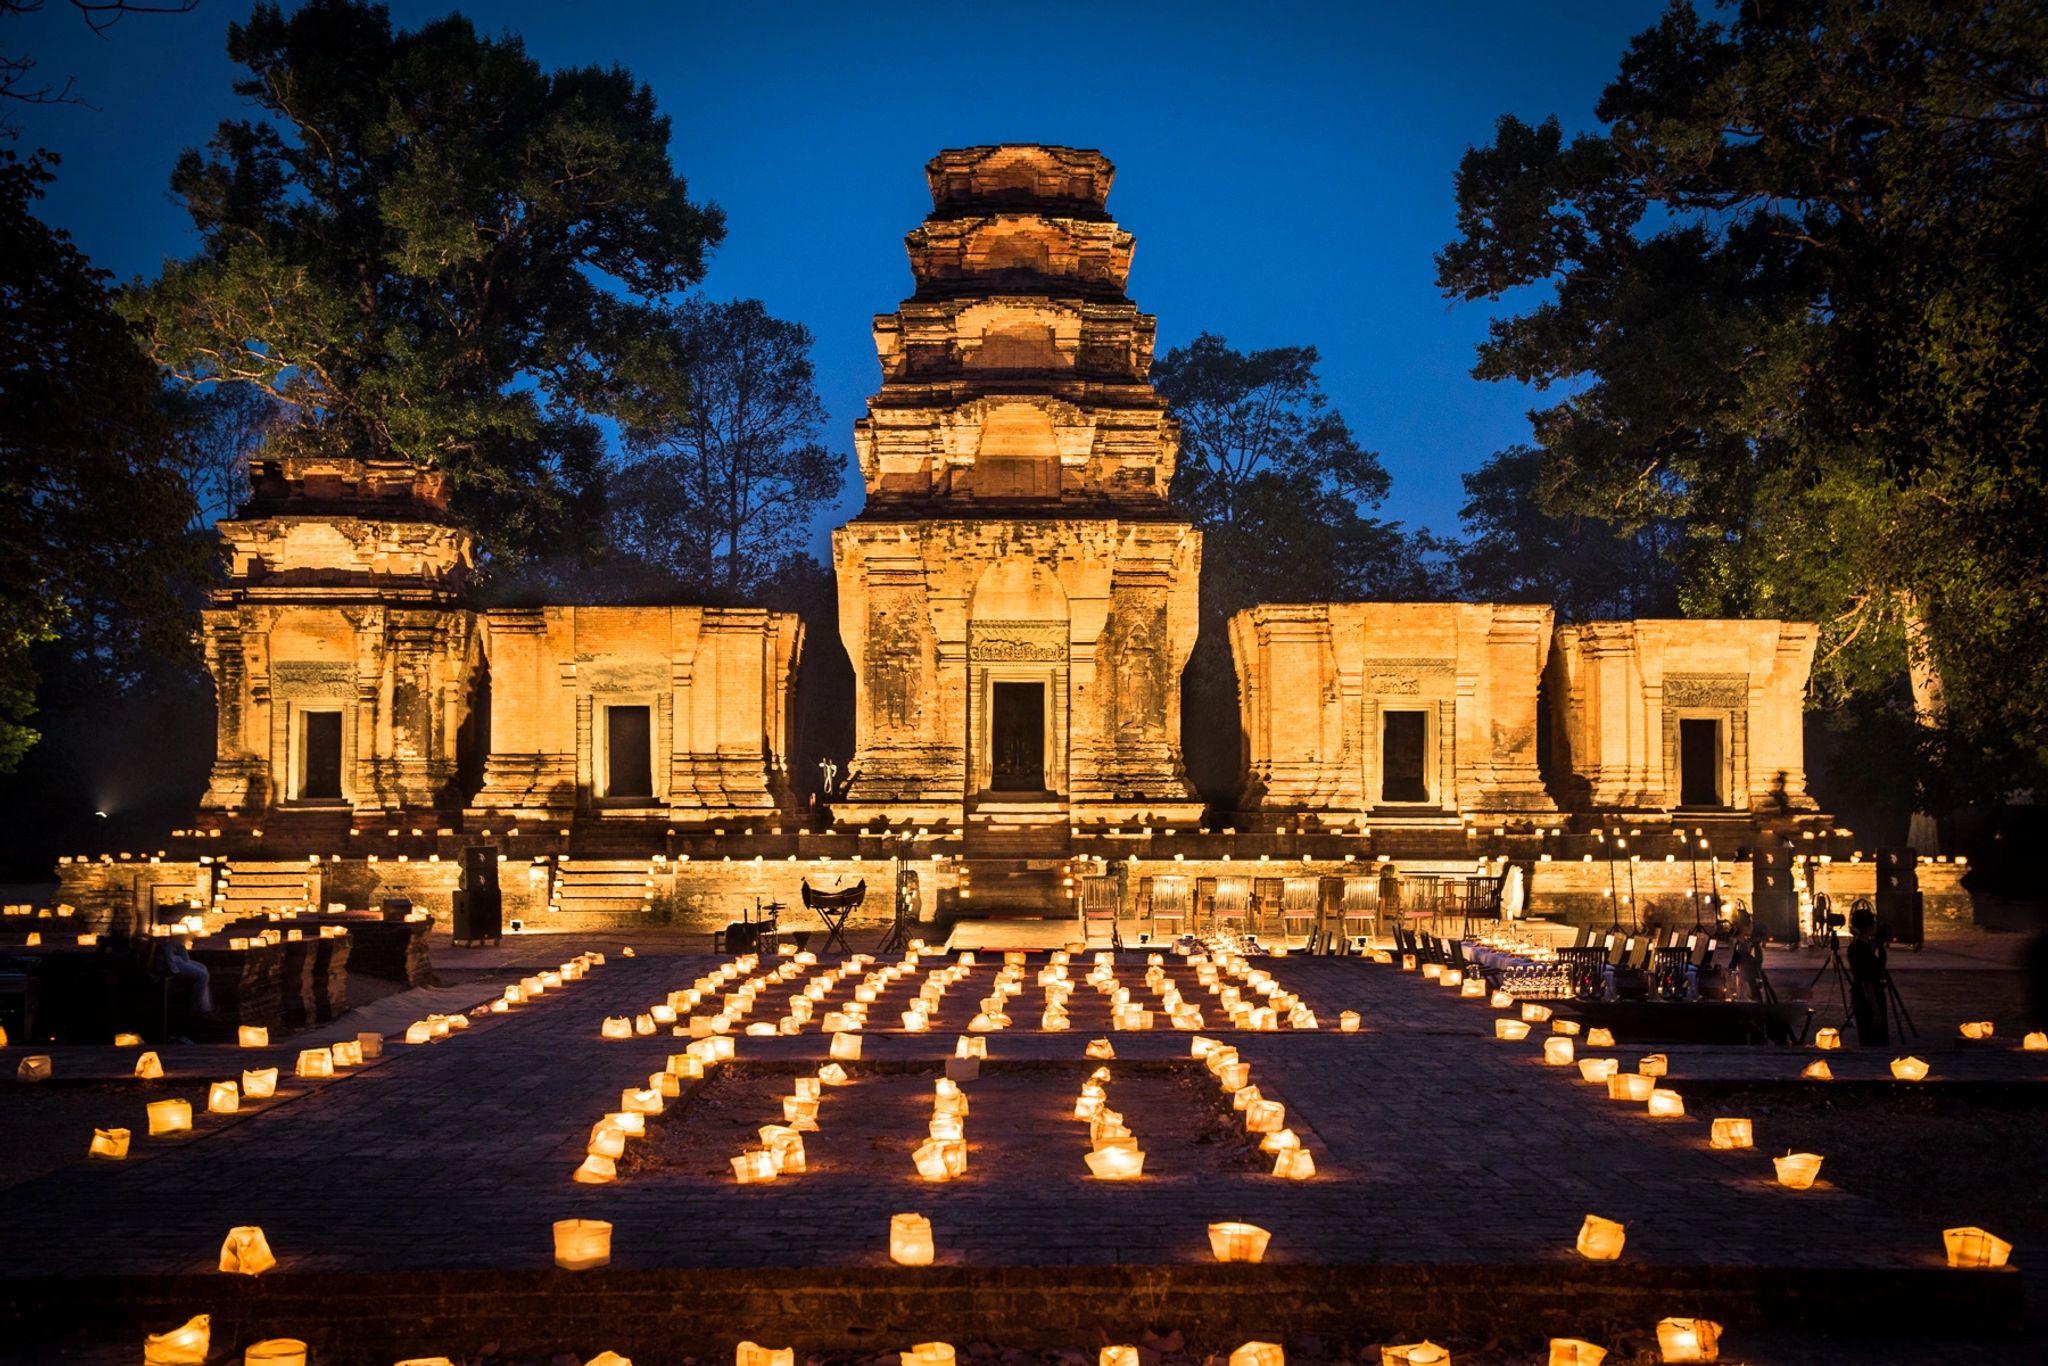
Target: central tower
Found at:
x=1016, y=598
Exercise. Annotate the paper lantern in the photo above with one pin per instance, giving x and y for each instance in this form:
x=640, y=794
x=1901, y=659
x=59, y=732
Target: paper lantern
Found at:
x=223, y=1098
x=120, y=1041
x=1600, y=1240
x=1116, y=1164
x=1347, y=1021
x=1666, y=1104
x=929, y=1353
x=1294, y=1164
x=1432, y=971
x=1909, y=1069
x=965, y=1047
x=1973, y=1247
x=347, y=1053
x=940, y=1160
x=1514, y=1031
x=910, y=1240
x=169, y=1117
x=1472, y=988
x=1557, y=1051
x=246, y=1252
x=1977, y=1029
x=1599, y=1038
x=754, y=1354
x=2034, y=1041
x=253, y=1036
x=259, y=1083
x=1817, y=1070
x=631, y=1123
x=1235, y=1077
x=638, y=1100
x=1279, y=1141
x=946, y=1128
x=1689, y=1339
x=786, y=1144
x=1732, y=1133
x=149, y=1067
x=597, y=1170
x=1797, y=1171
x=1827, y=1040
x=315, y=1062
x=1407, y=962
x=1502, y=1000
x=185, y=1345
x=755, y=1166
x=1264, y=1117
x=275, y=1352
x=1534, y=1013
x=1451, y=977
x=846, y=1047
x=616, y=1027
x=1575, y=1352
x=832, y=1074
x=582, y=1244
x=419, y=1032
x=1597, y=1069
x=1100, y=1049
x=1250, y=1354
x=370, y=1045
x=1424, y=1353
x=1126, y=1356
x=109, y=1145
x=1245, y=1097
x=1238, y=1242
x=1631, y=1086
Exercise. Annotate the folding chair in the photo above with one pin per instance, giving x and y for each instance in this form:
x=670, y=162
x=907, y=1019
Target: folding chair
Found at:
x=1301, y=905
x=1169, y=902
x=1233, y=902
x=1098, y=907
x=1360, y=905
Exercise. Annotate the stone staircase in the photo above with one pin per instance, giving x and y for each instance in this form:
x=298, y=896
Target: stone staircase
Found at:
x=596, y=893
x=1014, y=889
x=245, y=887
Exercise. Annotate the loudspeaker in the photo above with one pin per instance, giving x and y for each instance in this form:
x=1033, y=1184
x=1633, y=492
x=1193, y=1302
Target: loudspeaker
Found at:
x=1772, y=900
x=1902, y=915
x=480, y=910
x=1898, y=870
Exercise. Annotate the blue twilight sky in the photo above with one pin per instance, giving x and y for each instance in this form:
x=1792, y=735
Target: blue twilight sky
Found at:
x=1286, y=167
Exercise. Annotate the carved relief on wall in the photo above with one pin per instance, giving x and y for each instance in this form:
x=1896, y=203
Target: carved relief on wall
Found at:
x=1405, y=677
x=1706, y=690
x=294, y=678
x=1133, y=653
x=1017, y=642
x=899, y=662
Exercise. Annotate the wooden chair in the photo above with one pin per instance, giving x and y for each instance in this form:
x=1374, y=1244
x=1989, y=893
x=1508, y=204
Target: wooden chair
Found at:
x=1099, y=908
x=1359, y=906
x=1301, y=907
x=1170, y=897
x=1233, y=903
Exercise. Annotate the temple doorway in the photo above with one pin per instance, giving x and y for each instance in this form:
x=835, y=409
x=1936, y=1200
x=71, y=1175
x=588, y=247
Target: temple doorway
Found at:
x=1017, y=737
x=1699, y=762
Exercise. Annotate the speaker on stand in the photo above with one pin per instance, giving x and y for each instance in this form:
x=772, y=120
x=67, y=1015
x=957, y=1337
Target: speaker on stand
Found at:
x=1773, y=896
x=480, y=905
x=1900, y=911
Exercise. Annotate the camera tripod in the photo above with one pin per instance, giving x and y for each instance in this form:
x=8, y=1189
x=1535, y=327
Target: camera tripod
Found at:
x=1894, y=1004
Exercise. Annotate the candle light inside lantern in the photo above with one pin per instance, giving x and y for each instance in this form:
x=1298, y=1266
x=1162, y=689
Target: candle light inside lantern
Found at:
x=1557, y=1051
x=910, y=1240
x=1688, y=1339
x=1232, y=1241
x=1294, y=1164
x=259, y=1083
x=1666, y=1104
x=582, y=1244
x=1909, y=1069
x=1973, y=1247
x=1797, y=1171
x=185, y=1345
x=109, y=1145
x=1600, y=1240
x=275, y=1352
x=1514, y=1031
x=1729, y=1132
x=1116, y=1164
x=246, y=1251
x=223, y=1098
x=1599, y=1038
x=169, y=1117
x=1575, y=1352
x=1817, y=1070
x=253, y=1036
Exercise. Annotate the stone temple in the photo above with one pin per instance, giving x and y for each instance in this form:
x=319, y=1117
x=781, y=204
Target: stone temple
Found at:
x=1018, y=600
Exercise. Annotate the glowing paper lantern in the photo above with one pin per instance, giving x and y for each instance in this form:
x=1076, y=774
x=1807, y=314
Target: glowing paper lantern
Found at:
x=169, y=1117
x=1534, y=1013
x=275, y=1352
x=149, y=1067
x=1472, y=988
x=1407, y=962
x=1575, y=1352
x=754, y=1354
x=1666, y=1104
x=315, y=1062
x=1294, y=1164
x=1655, y=1065
x=1514, y=1031
x=1689, y=1339
x=185, y=1345
x=259, y=1083
x=1597, y=1069
x=1977, y=1029
x=929, y=1353
x=966, y=1047
x=1973, y=1247
x=1817, y=1070
x=846, y=1047
x=121, y=1040
x=946, y=1128
x=938, y=1160
x=1127, y=1356
x=1827, y=1040
x=832, y=1074
x=1279, y=1141
x=638, y=1100
x=253, y=1036
x=1424, y=1353
x=1432, y=971
x=1116, y=1164
x=371, y=1045
x=1599, y=1038
x=1231, y=1241
x=1631, y=1086
x=1502, y=1000
x=1264, y=1117
x=1099, y=1049
x=1797, y=1171
x=582, y=1244
x=910, y=1240
x=109, y=1145
x=246, y=1252
x=347, y=1053
x=1235, y=1077
x=223, y=1098
x=1557, y=1051
x=630, y=1123
x=616, y=1027
x=1732, y=1133
x=754, y=1166
x=2035, y=1041
x=1600, y=1240
x=1250, y=1354
x=1347, y=1022
x=1909, y=1069
x=597, y=1170
x=1564, y=1026
x=419, y=1032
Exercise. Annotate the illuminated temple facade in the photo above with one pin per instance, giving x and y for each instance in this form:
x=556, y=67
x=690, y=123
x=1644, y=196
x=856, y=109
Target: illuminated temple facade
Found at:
x=1018, y=601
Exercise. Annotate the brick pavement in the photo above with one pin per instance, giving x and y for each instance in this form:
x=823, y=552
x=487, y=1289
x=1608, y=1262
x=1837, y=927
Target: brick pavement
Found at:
x=1436, y=1145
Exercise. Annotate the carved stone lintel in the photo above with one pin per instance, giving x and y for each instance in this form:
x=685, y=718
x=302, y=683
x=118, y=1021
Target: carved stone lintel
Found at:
x=1706, y=690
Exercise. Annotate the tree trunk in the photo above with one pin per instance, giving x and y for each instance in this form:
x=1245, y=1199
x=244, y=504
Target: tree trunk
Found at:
x=1929, y=713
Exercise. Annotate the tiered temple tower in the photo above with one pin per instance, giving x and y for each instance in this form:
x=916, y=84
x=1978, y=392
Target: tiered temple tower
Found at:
x=1017, y=600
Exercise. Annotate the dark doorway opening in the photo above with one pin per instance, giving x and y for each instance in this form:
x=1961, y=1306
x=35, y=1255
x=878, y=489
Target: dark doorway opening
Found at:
x=1699, y=763
x=320, y=756
x=1402, y=738
x=1017, y=738
x=629, y=753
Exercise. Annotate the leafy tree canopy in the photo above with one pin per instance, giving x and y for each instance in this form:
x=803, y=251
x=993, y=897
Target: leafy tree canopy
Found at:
x=1796, y=299
x=429, y=247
